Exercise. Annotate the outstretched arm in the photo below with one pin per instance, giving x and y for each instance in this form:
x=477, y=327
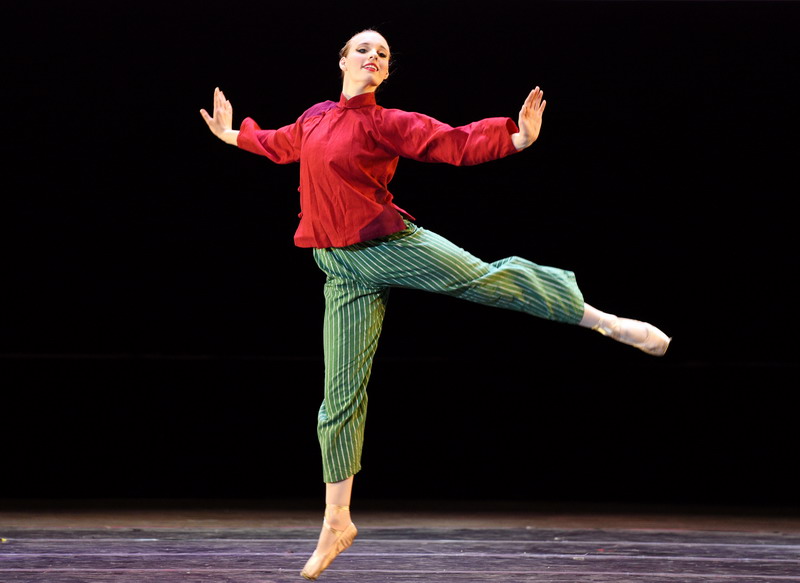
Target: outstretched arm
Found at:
x=530, y=120
x=221, y=122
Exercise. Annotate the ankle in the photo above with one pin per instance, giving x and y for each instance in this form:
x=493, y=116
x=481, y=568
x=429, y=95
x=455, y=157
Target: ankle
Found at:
x=337, y=516
x=608, y=325
x=596, y=319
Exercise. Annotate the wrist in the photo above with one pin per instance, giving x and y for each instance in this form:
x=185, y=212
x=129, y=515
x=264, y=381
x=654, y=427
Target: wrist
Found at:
x=229, y=137
x=519, y=141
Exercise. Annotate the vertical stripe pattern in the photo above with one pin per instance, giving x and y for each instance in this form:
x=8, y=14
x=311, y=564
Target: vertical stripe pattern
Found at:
x=359, y=278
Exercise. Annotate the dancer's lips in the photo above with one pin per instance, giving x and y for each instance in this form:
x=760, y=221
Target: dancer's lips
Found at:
x=371, y=67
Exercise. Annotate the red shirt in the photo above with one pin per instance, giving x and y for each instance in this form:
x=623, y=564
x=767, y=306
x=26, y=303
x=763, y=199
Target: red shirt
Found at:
x=348, y=152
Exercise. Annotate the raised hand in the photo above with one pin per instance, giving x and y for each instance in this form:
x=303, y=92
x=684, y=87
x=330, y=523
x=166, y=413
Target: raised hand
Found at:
x=530, y=120
x=221, y=122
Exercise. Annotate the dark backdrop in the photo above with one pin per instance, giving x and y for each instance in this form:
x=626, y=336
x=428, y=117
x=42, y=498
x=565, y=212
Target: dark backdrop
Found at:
x=161, y=335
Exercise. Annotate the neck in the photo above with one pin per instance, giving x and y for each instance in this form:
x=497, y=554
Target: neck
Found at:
x=350, y=90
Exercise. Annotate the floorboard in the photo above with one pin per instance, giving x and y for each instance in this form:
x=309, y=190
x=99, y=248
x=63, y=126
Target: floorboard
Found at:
x=101, y=545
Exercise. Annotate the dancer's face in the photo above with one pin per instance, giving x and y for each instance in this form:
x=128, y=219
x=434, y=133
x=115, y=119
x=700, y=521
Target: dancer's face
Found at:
x=366, y=61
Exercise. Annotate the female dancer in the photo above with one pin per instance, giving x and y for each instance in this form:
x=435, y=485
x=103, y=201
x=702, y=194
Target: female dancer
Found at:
x=365, y=244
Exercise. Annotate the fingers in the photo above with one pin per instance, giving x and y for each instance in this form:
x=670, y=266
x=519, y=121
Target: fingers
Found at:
x=222, y=108
x=535, y=97
x=534, y=102
x=219, y=98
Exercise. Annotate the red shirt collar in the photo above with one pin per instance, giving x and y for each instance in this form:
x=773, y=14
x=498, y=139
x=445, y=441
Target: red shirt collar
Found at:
x=357, y=101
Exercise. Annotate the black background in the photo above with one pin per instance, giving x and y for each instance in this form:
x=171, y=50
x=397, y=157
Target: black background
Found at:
x=161, y=334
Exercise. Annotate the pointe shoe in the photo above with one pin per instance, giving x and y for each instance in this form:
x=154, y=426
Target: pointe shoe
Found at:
x=320, y=561
x=624, y=330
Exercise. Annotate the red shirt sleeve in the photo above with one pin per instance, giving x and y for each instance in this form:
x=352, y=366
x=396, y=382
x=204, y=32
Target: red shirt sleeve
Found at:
x=281, y=145
x=423, y=138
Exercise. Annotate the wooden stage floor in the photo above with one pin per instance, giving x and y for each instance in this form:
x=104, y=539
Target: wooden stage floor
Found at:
x=399, y=541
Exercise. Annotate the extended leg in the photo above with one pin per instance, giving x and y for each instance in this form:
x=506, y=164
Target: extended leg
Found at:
x=642, y=335
x=426, y=261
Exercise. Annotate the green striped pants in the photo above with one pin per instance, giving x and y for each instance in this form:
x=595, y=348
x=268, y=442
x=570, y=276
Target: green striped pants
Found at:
x=356, y=291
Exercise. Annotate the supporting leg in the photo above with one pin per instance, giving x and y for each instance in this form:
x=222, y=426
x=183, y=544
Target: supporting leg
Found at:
x=338, y=531
x=353, y=320
x=352, y=327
